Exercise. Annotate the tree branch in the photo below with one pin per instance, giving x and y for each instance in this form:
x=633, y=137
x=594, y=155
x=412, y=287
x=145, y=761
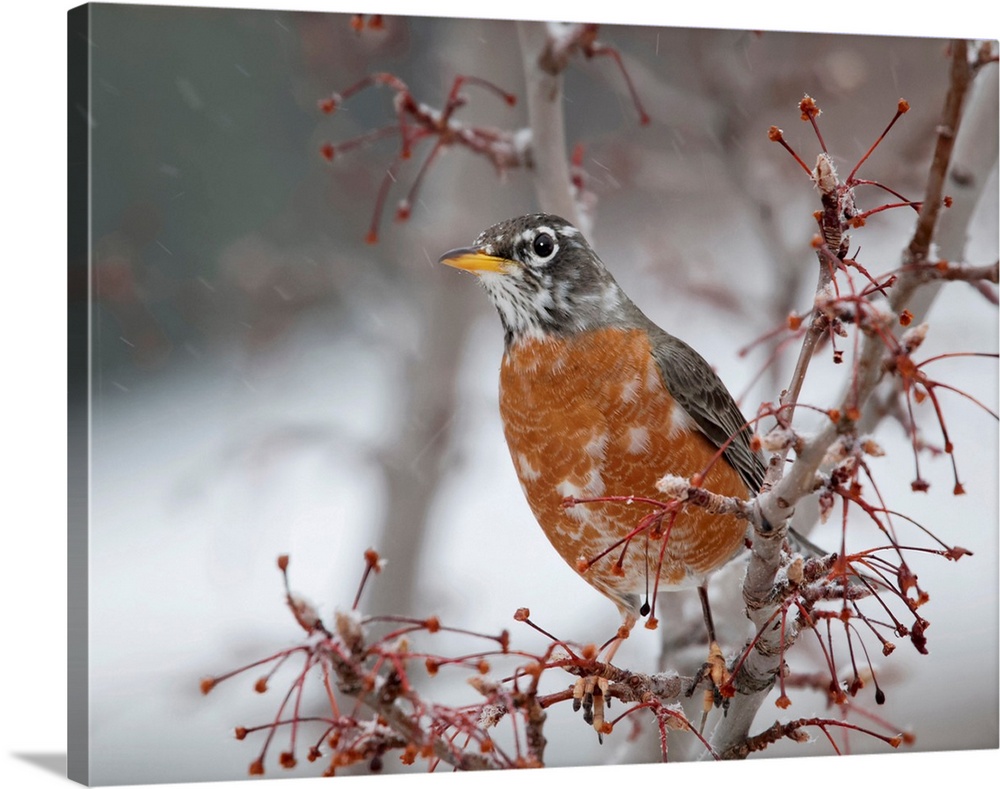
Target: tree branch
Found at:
x=758, y=672
x=543, y=77
x=961, y=77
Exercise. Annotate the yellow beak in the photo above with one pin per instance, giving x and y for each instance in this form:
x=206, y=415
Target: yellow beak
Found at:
x=476, y=261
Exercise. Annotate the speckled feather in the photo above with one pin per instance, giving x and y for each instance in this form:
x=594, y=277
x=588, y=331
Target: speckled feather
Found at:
x=574, y=432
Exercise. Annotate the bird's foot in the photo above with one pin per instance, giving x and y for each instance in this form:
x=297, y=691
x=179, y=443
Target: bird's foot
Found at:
x=713, y=669
x=591, y=694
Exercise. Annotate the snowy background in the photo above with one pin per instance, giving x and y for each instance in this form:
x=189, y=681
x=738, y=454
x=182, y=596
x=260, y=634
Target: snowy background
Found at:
x=264, y=382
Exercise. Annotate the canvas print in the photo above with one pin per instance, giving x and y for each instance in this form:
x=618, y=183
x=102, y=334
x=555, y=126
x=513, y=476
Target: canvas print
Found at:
x=454, y=394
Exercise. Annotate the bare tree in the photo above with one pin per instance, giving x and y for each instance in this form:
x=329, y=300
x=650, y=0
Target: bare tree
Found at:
x=371, y=669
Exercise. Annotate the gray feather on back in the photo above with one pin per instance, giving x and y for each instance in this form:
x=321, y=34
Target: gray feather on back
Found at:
x=699, y=391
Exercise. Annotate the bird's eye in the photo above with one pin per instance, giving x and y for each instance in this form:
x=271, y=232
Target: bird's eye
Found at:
x=543, y=245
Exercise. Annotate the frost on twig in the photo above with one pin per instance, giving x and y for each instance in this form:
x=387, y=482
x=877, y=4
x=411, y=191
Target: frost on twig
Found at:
x=681, y=489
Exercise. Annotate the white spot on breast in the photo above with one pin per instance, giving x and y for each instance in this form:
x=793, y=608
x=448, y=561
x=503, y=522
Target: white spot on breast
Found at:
x=597, y=446
x=580, y=512
x=568, y=490
x=630, y=391
x=592, y=488
x=638, y=440
x=524, y=468
x=595, y=482
x=680, y=420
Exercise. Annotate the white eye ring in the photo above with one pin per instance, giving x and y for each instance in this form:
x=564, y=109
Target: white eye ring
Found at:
x=543, y=245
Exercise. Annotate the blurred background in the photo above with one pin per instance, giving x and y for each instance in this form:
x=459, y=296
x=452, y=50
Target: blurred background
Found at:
x=265, y=382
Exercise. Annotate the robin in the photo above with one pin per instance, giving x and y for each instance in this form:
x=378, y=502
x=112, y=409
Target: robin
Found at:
x=597, y=404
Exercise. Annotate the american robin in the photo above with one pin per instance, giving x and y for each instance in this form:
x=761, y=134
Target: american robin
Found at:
x=597, y=404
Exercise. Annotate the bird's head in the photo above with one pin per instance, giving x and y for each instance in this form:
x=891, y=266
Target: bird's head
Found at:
x=542, y=276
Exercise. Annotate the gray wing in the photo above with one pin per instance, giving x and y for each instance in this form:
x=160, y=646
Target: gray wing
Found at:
x=700, y=392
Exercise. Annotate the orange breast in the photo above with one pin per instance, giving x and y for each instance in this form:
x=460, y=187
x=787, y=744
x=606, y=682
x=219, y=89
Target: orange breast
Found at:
x=590, y=417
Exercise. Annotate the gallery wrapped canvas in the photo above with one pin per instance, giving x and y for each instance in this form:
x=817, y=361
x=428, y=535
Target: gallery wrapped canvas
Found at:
x=705, y=470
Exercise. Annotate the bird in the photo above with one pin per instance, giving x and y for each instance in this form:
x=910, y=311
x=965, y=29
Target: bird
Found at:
x=597, y=404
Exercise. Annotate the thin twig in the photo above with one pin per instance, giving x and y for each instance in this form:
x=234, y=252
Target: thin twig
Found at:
x=760, y=668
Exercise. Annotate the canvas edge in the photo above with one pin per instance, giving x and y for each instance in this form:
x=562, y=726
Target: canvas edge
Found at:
x=78, y=394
